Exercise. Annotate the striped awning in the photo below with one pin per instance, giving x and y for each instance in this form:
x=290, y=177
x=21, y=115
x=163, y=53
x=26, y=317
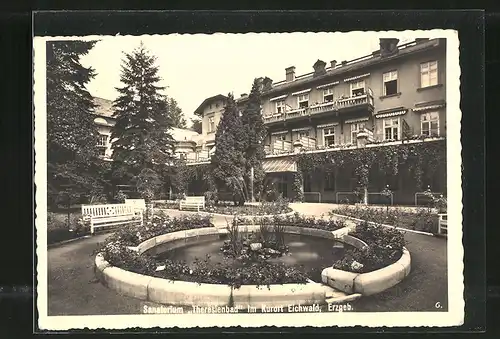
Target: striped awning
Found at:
x=279, y=133
x=357, y=77
x=301, y=129
x=328, y=125
x=391, y=114
x=279, y=165
x=353, y=121
x=302, y=92
x=327, y=85
x=428, y=108
x=278, y=98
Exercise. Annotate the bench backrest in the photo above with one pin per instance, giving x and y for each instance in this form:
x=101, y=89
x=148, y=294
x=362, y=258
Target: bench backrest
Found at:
x=200, y=199
x=138, y=203
x=106, y=211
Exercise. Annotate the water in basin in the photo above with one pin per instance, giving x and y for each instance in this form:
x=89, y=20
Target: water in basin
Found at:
x=310, y=254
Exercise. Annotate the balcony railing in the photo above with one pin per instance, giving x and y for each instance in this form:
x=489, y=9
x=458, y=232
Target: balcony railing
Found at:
x=335, y=105
x=344, y=142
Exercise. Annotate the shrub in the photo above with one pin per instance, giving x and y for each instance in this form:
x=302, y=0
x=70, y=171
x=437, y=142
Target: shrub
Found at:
x=120, y=197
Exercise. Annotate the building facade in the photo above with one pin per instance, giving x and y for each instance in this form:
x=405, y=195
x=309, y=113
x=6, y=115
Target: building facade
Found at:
x=396, y=93
x=188, y=143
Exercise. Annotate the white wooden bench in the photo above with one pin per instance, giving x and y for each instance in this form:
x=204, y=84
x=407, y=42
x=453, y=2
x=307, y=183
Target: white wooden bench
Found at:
x=443, y=223
x=196, y=203
x=111, y=215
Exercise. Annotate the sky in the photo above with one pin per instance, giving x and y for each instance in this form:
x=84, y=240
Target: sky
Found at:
x=197, y=66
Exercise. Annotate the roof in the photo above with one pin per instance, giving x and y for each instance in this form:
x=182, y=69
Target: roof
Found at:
x=199, y=110
x=353, y=65
x=104, y=107
x=181, y=134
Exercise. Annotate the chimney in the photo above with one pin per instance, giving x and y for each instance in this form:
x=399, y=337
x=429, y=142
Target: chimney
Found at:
x=260, y=81
x=388, y=46
x=267, y=83
x=333, y=63
x=290, y=73
x=420, y=40
x=319, y=68
x=344, y=63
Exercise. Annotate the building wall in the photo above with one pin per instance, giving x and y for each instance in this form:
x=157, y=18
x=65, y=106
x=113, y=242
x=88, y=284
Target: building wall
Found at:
x=215, y=109
x=409, y=95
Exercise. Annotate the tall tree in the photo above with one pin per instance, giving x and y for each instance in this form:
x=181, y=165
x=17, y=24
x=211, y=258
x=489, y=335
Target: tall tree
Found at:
x=176, y=115
x=141, y=133
x=196, y=125
x=254, y=134
x=229, y=157
x=73, y=166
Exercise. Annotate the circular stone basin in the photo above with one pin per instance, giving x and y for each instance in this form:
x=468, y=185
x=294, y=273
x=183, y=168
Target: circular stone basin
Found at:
x=307, y=253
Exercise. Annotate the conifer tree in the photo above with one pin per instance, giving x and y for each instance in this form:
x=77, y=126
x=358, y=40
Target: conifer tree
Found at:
x=73, y=166
x=196, y=125
x=254, y=134
x=176, y=115
x=229, y=158
x=141, y=133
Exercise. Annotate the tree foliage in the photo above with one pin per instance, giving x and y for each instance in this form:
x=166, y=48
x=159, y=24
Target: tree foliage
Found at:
x=229, y=157
x=176, y=115
x=196, y=125
x=254, y=134
x=72, y=160
x=141, y=133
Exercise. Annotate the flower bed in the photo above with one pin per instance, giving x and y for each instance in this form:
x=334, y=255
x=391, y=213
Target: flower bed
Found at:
x=234, y=273
x=298, y=220
x=385, y=247
x=424, y=219
x=159, y=224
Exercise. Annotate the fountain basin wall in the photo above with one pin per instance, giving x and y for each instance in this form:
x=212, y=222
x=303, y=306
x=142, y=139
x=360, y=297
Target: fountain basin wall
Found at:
x=182, y=293
x=369, y=283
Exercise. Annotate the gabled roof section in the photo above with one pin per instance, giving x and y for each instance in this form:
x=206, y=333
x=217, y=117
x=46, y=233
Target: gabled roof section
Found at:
x=104, y=107
x=207, y=101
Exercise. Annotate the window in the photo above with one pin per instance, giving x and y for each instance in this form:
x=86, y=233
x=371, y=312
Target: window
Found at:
x=303, y=100
x=390, y=82
x=211, y=124
x=102, y=152
x=102, y=140
x=217, y=105
x=357, y=88
x=329, y=181
x=210, y=107
x=391, y=129
x=280, y=106
x=328, y=94
x=329, y=136
x=430, y=124
x=303, y=134
x=428, y=74
x=355, y=128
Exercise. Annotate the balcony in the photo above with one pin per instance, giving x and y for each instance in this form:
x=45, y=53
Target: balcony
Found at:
x=338, y=105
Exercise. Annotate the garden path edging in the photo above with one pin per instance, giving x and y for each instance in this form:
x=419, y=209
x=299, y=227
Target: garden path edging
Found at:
x=369, y=283
x=185, y=293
